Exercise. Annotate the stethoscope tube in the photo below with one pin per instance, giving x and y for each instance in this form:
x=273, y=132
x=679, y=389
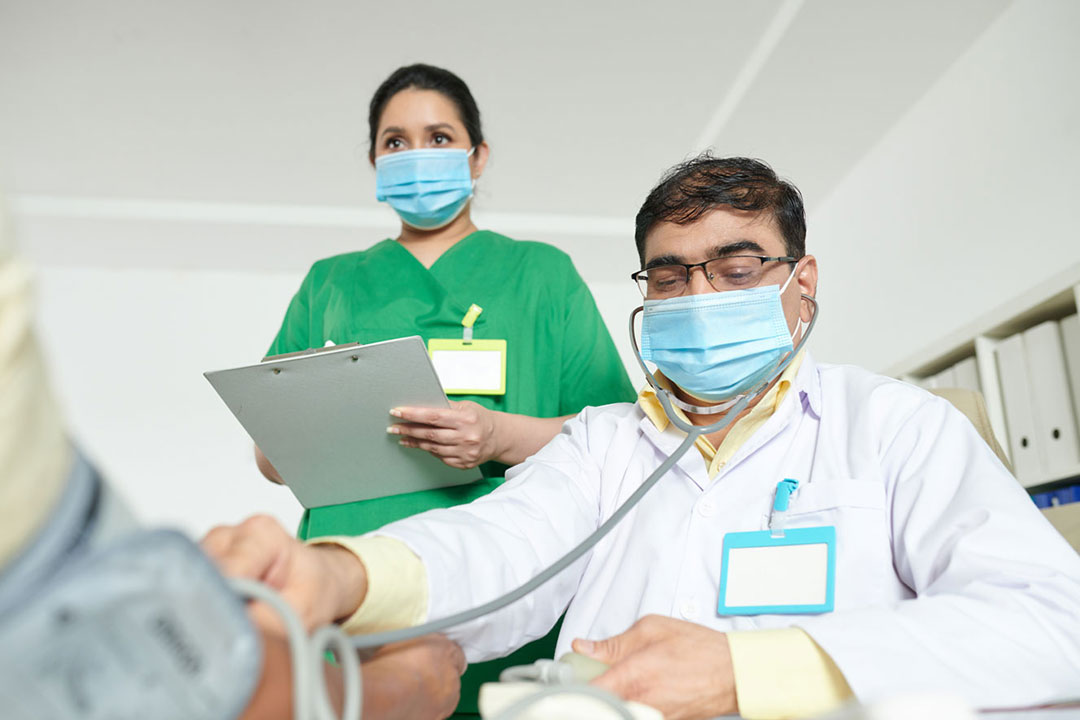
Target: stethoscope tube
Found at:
x=693, y=432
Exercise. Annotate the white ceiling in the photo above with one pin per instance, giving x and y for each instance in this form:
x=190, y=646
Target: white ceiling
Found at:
x=232, y=134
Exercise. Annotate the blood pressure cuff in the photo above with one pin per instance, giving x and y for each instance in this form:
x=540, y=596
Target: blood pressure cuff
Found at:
x=147, y=628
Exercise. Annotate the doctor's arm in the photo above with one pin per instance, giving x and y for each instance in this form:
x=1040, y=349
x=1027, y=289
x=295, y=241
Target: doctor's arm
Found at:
x=996, y=617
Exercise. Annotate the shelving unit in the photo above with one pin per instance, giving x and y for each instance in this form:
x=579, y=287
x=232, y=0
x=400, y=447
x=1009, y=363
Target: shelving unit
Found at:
x=1053, y=299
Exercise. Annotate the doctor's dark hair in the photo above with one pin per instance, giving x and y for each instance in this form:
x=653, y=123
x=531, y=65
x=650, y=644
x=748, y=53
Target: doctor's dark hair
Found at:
x=688, y=191
x=425, y=77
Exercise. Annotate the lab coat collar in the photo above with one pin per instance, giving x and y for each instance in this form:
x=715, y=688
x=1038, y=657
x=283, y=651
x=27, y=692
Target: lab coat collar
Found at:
x=692, y=464
x=808, y=385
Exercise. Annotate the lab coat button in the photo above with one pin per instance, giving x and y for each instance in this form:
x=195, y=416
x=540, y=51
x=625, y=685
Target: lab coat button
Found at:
x=706, y=509
x=689, y=610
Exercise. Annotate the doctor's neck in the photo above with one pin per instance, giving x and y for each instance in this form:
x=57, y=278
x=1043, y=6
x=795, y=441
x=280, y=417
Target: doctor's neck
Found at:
x=697, y=419
x=427, y=246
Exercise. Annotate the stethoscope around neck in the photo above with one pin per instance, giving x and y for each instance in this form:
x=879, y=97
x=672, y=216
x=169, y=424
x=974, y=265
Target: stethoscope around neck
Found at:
x=731, y=410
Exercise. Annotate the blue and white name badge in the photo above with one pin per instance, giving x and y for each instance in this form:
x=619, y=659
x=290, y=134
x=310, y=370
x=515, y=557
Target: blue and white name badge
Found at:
x=778, y=571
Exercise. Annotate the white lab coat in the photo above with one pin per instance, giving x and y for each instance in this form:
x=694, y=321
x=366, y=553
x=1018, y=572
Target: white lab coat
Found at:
x=947, y=576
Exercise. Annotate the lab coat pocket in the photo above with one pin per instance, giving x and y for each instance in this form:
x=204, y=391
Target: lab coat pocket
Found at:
x=858, y=511
x=823, y=495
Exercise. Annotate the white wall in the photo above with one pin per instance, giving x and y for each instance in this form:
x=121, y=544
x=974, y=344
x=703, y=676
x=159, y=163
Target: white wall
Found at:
x=969, y=200
x=127, y=349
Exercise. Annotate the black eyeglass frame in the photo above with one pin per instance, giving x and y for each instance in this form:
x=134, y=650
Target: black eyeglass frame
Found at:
x=690, y=266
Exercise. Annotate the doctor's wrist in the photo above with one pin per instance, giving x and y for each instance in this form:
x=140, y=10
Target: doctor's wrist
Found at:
x=346, y=581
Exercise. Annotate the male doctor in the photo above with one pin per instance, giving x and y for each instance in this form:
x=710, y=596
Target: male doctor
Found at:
x=943, y=575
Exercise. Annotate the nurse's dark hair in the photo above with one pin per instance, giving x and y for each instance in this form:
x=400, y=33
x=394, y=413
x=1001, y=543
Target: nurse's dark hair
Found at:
x=426, y=77
x=688, y=191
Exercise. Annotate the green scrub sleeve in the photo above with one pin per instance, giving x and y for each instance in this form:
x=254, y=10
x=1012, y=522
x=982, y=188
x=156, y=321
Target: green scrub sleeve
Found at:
x=295, y=332
x=592, y=372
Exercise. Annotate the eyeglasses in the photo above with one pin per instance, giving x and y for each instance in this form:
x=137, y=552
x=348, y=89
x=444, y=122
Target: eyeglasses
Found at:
x=726, y=273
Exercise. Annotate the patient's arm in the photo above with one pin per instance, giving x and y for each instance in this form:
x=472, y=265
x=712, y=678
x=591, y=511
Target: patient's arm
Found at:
x=415, y=679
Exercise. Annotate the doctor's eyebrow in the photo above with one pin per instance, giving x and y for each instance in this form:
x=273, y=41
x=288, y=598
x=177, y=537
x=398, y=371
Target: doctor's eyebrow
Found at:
x=719, y=251
x=664, y=260
x=739, y=246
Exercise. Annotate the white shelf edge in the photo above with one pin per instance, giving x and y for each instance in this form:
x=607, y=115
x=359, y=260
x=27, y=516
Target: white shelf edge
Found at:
x=987, y=323
x=1049, y=477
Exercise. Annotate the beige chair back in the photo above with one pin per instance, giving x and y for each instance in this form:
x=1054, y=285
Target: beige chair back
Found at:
x=971, y=403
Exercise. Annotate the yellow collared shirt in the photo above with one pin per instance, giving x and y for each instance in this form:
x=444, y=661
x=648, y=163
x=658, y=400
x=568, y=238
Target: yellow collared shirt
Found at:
x=743, y=428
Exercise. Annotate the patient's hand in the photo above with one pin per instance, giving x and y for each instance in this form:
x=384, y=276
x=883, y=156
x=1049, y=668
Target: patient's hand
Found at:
x=418, y=678
x=415, y=679
x=322, y=583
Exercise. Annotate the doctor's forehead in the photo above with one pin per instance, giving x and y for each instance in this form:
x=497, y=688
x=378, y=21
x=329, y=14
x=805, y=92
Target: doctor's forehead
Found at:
x=723, y=231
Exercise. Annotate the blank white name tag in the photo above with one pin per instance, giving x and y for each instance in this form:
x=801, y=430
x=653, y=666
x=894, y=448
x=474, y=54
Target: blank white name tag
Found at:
x=477, y=367
x=792, y=574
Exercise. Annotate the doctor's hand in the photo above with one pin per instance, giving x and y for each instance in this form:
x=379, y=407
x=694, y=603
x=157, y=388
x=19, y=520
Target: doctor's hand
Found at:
x=462, y=436
x=680, y=668
x=322, y=583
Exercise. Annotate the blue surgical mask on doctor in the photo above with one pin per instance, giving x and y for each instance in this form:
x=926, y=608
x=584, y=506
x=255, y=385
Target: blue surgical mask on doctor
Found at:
x=427, y=188
x=718, y=345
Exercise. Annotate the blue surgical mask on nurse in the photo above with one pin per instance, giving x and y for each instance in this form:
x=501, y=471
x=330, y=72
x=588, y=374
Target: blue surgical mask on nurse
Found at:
x=427, y=188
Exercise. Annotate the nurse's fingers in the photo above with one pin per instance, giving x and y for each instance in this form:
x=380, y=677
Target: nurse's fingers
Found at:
x=457, y=456
x=427, y=433
x=439, y=417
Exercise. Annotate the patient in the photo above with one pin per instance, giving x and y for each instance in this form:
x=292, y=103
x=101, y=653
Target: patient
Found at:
x=417, y=679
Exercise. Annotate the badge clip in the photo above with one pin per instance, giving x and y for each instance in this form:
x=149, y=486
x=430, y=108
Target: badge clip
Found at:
x=468, y=321
x=778, y=517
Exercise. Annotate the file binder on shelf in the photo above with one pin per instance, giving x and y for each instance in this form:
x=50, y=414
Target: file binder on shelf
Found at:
x=966, y=374
x=945, y=379
x=1070, y=339
x=1055, y=425
x=1019, y=415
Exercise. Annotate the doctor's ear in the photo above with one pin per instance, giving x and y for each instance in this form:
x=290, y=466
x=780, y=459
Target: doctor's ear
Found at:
x=479, y=159
x=807, y=277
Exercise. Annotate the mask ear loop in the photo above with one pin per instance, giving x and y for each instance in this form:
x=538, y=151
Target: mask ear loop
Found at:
x=472, y=180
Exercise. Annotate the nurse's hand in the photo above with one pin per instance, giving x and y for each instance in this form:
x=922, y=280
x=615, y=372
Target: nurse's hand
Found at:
x=680, y=668
x=462, y=436
x=322, y=583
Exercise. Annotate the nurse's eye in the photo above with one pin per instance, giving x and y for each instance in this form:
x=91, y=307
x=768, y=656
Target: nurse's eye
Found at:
x=440, y=139
x=394, y=143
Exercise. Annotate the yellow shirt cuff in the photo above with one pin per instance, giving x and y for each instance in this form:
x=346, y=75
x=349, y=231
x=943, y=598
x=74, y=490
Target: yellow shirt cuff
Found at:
x=397, y=588
x=784, y=674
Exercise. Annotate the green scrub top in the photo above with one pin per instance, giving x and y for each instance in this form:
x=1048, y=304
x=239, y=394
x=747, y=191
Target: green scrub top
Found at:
x=560, y=357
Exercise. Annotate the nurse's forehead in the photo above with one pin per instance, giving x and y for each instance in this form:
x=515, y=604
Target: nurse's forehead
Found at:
x=721, y=232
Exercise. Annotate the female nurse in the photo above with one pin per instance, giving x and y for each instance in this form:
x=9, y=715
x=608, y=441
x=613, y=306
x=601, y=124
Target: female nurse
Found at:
x=428, y=151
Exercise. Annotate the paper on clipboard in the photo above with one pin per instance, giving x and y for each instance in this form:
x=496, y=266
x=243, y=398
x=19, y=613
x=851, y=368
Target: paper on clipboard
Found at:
x=320, y=417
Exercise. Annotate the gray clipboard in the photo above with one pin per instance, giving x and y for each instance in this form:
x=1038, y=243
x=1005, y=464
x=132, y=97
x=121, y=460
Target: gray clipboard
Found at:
x=320, y=417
